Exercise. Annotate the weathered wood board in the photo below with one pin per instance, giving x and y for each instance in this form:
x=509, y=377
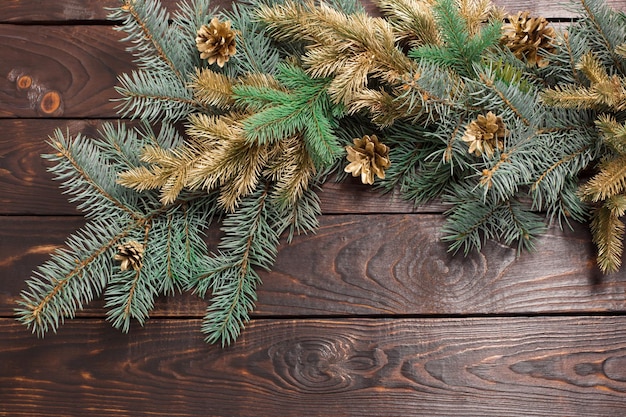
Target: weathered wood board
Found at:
x=370, y=316
x=499, y=366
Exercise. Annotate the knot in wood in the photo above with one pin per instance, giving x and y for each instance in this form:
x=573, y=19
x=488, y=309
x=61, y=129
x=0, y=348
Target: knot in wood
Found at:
x=24, y=82
x=323, y=366
x=50, y=103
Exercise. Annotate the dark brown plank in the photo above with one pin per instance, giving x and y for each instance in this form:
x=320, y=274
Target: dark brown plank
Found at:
x=26, y=188
x=25, y=185
x=540, y=366
x=25, y=11
x=67, y=71
x=86, y=10
x=371, y=265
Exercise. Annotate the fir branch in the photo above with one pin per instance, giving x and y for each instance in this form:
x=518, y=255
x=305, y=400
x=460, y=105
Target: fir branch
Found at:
x=413, y=21
x=212, y=89
x=73, y=277
x=249, y=242
x=168, y=172
x=86, y=174
x=292, y=169
x=560, y=152
x=217, y=156
x=613, y=133
x=433, y=94
x=79, y=273
x=617, y=205
x=550, y=182
x=608, y=28
x=364, y=45
x=257, y=53
x=512, y=97
x=187, y=19
x=152, y=96
x=460, y=49
x=304, y=109
x=609, y=182
x=301, y=216
x=147, y=26
x=473, y=219
x=477, y=12
x=608, y=233
x=221, y=157
x=130, y=295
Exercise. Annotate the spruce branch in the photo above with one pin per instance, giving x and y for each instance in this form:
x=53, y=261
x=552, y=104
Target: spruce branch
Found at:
x=609, y=182
x=146, y=24
x=604, y=92
x=349, y=48
x=152, y=96
x=413, y=21
x=130, y=294
x=301, y=107
x=212, y=88
x=474, y=219
x=605, y=30
x=87, y=176
x=557, y=170
x=460, y=48
x=613, y=132
x=301, y=216
x=249, y=242
x=608, y=234
x=85, y=269
x=258, y=54
x=189, y=16
x=73, y=277
x=512, y=97
x=292, y=170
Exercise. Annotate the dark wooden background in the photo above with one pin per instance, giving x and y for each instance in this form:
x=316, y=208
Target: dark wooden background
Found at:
x=369, y=317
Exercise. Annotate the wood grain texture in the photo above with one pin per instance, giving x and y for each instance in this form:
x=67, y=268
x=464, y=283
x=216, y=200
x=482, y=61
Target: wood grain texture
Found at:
x=25, y=11
x=94, y=10
x=539, y=366
x=72, y=70
x=370, y=265
x=369, y=317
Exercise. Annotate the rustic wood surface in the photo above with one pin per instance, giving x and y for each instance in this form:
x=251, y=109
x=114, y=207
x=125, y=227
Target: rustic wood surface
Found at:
x=342, y=270
x=368, y=317
x=540, y=366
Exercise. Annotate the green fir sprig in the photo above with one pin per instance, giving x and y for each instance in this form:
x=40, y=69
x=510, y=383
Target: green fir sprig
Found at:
x=500, y=127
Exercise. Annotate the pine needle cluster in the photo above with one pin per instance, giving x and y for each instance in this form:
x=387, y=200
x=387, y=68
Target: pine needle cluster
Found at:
x=258, y=135
x=501, y=129
x=598, y=85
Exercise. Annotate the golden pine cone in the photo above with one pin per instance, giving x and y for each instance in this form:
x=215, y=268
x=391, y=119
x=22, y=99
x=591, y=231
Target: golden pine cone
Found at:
x=130, y=254
x=216, y=42
x=485, y=134
x=368, y=157
x=525, y=36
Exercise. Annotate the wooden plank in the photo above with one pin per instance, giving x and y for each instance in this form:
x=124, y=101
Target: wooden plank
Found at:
x=25, y=185
x=536, y=366
x=66, y=71
x=26, y=188
x=95, y=10
x=370, y=265
x=26, y=11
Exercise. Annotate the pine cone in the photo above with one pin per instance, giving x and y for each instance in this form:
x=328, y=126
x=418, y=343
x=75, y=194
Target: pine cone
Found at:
x=368, y=157
x=216, y=42
x=485, y=134
x=525, y=36
x=131, y=255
